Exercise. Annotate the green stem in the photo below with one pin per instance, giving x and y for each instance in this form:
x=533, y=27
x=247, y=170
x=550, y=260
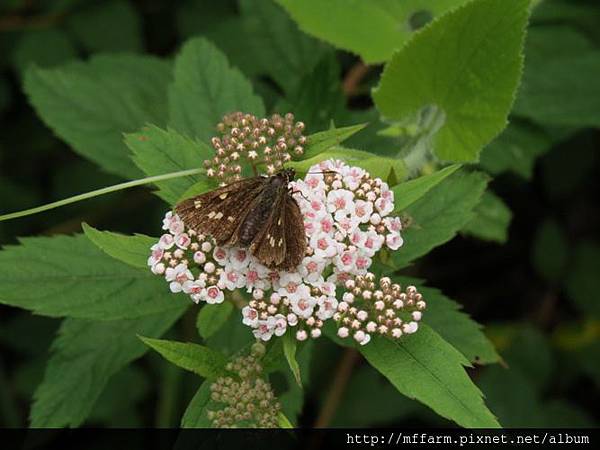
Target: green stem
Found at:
x=98, y=192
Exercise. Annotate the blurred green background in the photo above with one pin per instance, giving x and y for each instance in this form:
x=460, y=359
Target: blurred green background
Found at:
x=533, y=285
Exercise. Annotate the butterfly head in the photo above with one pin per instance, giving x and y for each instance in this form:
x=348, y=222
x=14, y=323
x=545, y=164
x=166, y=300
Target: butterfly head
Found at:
x=288, y=174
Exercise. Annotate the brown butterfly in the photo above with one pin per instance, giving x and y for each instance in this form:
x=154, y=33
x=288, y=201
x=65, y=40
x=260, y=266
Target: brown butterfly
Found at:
x=256, y=213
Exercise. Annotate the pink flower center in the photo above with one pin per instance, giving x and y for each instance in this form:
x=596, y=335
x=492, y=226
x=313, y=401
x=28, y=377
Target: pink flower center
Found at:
x=220, y=253
x=326, y=225
x=232, y=276
x=213, y=292
x=252, y=276
x=313, y=182
x=312, y=266
x=181, y=277
x=369, y=243
x=347, y=259
x=322, y=244
x=303, y=304
x=291, y=287
x=241, y=255
x=340, y=203
x=316, y=205
x=195, y=289
x=362, y=263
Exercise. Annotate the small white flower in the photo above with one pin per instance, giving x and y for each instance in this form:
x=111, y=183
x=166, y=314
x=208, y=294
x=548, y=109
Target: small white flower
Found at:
x=182, y=241
x=192, y=286
x=221, y=255
x=199, y=257
x=280, y=325
x=158, y=269
x=291, y=285
x=303, y=305
x=180, y=273
x=340, y=202
x=327, y=307
x=301, y=335
x=384, y=205
x=214, y=295
x=393, y=224
x=311, y=269
x=156, y=255
x=231, y=279
x=292, y=319
x=394, y=241
x=250, y=316
x=363, y=210
x=264, y=330
x=239, y=258
x=166, y=241
x=323, y=245
x=343, y=332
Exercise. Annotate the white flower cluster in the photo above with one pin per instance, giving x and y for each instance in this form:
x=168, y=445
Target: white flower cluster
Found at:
x=346, y=219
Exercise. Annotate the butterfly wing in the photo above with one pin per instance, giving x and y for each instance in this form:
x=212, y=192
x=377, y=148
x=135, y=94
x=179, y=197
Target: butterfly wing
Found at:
x=220, y=212
x=282, y=243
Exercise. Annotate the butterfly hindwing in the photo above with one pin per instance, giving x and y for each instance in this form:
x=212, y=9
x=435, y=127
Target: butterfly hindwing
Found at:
x=282, y=244
x=220, y=212
x=269, y=245
x=295, y=235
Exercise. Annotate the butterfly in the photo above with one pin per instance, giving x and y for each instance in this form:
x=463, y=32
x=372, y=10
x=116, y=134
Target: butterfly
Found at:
x=257, y=213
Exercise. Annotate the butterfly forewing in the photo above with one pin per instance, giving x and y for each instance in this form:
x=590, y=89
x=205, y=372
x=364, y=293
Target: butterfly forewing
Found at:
x=220, y=212
x=258, y=213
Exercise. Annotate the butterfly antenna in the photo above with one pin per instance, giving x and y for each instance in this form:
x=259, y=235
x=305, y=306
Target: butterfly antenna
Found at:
x=321, y=173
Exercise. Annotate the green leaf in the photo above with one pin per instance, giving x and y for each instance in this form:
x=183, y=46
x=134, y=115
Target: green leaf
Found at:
x=491, y=221
x=198, y=188
x=318, y=97
x=453, y=325
x=317, y=143
x=45, y=48
x=289, y=350
x=157, y=151
x=84, y=356
x=560, y=78
x=76, y=279
x=439, y=214
x=132, y=250
x=583, y=283
x=283, y=421
x=91, y=104
x=377, y=166
x=467, y=64
x=196, y=358
x=205, y=88
x=405, y=194
x=373, y=30
x=89, y=27
x=516, y=150
x=276, y=43
x=292, y=400
x=550, y=252
x=425, y=367
x=211, y=318
x=195, y=415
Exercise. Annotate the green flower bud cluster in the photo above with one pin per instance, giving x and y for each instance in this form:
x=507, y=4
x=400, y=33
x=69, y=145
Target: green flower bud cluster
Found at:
x=246, y=399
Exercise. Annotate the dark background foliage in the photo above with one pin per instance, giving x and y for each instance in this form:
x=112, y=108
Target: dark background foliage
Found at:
x=535, y=293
